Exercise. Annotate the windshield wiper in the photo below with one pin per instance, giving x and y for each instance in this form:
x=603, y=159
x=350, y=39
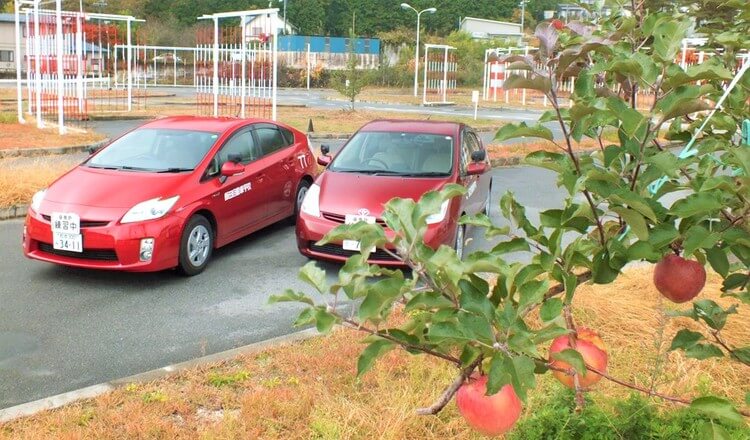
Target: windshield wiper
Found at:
x=103, y=167
x=175, y=170
x=427, y=174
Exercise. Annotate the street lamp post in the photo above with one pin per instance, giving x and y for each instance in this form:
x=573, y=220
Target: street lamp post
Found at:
x=407, y=6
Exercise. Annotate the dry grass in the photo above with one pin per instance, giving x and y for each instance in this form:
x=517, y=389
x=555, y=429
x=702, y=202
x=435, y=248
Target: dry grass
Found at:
x=521, y=149
x=16, y=135
x=20, y=178
x=309, y=389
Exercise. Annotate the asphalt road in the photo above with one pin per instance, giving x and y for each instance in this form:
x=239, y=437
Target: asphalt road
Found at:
x=63, y=329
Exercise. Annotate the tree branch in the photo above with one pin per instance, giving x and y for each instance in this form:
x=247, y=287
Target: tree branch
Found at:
x=449, y=392
x=426, y=350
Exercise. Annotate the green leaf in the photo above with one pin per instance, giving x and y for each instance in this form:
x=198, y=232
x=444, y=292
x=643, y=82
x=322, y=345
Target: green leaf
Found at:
x=685, y=339
x=512, y=131
x=635, y=220
x=662, y=235
x=712, y=313
x=698, y=237
x=290, y=295
x=634, y=201
x=666, y=162
x=498, y=376
x=536, y=82
x=742, y=354
x=428, y=301
x=314, y=276
x=717, y=257
x=695, y=204
x=474, y=301
x=550, y=309
x=703, y=351
x=532, y=292
x=571, y=283
x=305, y=317
x=550, y=332
x=324, y=321
x=572, y=358
x=371, y=353
x=668, y=34
x=711, y=431
x=515, y=245
x=603, y=273
x=469, y=354
x=718, y=409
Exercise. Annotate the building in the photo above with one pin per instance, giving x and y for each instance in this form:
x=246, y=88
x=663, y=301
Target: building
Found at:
x=264, y=25
x=329, y=52
x=482, y=28
x=8, y=42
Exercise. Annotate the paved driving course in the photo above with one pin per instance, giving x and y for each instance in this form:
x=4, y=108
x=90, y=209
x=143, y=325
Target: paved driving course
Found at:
x=62, y=329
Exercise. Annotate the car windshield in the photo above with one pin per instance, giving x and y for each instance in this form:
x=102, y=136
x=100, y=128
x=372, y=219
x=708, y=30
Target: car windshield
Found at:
x=396, y=154
x=156, y=150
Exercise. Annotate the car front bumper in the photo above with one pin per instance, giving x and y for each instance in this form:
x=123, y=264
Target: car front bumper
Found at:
x=311, y=229
x=113, y=246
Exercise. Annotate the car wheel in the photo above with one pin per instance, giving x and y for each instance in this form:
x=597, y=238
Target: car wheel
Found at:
x=460, y=241
x=488, y=203
x=196, y=246
x=304, y=186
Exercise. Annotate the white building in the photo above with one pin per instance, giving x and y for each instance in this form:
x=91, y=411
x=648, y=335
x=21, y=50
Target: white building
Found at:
x=264, y=24
x=482, y=28
x=8, y=42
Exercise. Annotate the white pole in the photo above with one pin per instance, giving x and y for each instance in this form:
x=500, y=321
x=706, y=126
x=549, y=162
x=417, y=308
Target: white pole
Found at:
x=416, y=60
x=484, y=75
x=174, y=67
x=216, y=67
x=38, y=68
x=275, y=65
x=308, y=66
x=426, y=64
x=130, y=68
x=79, y=61
x=60, y=73
x=445, y=76
x=19, y=91
x=243, y=80
x=29, y=50
x=523, y=91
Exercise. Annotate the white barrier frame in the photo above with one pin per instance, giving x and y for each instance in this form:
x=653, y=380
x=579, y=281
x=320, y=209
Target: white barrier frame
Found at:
x=272, y=14
x=444, y=83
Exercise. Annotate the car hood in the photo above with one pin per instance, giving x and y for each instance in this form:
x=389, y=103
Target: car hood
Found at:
x=347, y=193
x=111, y=188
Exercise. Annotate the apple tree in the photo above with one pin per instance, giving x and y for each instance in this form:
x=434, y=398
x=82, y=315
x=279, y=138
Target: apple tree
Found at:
x=672, y=189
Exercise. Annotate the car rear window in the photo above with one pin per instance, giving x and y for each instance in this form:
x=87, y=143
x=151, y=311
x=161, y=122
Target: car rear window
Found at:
x=156, y=149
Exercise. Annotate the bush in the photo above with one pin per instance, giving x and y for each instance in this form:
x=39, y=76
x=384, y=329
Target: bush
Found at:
x=631, y=418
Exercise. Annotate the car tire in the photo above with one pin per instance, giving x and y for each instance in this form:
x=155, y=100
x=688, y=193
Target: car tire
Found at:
x=196, y=246
x=460, y=242
x=304, y=186
x=488, y=203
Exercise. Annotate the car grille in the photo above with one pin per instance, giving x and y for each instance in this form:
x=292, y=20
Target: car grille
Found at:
x=87, y=254
x=336, y=249
x=84, y=223
x=338, y=218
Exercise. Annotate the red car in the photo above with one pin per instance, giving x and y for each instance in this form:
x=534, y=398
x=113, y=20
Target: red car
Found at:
x=169, y=192
x=387, y=159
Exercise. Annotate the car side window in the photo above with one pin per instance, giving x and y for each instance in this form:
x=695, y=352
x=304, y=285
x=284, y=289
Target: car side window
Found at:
x=241, y=145
x=270, y=140
x=465, y=150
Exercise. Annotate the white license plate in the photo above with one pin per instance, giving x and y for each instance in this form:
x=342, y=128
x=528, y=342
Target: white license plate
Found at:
x=67, y=242
x=350, y=219
x=353, y=245
x=66, y=231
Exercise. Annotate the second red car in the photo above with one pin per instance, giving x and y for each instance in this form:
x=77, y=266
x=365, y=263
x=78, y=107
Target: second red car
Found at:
x=395, y=158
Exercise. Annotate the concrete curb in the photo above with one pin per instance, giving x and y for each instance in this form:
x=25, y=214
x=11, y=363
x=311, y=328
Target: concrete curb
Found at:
x=46, y=151
x=14, y=211
x=52, y=402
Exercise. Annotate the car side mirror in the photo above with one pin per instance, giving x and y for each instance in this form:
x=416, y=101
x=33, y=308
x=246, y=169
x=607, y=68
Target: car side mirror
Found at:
x=476, y=168
x=324, y=160
x=478, y=156
x=230, y=169
x=325, y=149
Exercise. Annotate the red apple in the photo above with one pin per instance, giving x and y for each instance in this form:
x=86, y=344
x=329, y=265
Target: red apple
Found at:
x=594, y=353
x=678, y=279
x=490, y=415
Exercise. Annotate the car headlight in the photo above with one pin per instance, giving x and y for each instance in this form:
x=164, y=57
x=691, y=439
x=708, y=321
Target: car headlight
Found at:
x=149, y=210
x=36, y=200
x=438, y=216
x=311, y=204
